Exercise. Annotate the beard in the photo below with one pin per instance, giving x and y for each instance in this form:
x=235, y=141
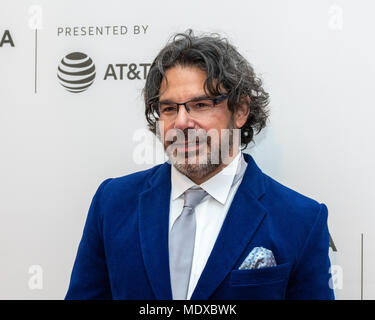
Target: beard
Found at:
x=197, y=170
x=205, y=152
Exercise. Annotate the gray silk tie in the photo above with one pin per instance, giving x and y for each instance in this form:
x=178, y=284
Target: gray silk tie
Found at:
x=181, y=244
x=182, y=238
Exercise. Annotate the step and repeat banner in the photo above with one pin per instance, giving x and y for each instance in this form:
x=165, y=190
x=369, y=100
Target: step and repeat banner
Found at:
x=72, y=115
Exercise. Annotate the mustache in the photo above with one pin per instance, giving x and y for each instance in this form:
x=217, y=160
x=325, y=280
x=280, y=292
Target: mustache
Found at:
x=187, y=137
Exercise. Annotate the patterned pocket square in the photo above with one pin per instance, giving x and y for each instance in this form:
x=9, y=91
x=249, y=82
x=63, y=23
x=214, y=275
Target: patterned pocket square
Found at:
x=258, y=258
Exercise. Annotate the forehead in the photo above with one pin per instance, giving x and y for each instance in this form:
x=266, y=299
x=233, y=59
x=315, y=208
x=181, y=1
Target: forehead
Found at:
x=182, y=83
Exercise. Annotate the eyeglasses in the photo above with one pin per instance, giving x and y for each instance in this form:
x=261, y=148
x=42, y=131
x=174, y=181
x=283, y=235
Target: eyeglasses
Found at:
x=197, y=107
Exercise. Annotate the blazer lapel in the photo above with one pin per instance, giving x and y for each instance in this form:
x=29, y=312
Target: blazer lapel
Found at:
x=153, y=213
x=242, y=220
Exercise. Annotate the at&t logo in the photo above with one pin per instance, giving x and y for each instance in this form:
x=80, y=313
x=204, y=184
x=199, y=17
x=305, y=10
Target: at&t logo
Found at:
x=76, y=72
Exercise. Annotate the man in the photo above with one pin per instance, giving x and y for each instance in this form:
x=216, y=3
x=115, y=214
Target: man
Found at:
x=208, y=224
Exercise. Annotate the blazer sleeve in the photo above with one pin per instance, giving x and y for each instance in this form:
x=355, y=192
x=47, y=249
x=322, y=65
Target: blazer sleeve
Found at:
x=310, y=277
x=89, y=278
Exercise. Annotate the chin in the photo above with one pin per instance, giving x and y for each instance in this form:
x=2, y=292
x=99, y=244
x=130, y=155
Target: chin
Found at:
x=199, y=166
x=196, y=170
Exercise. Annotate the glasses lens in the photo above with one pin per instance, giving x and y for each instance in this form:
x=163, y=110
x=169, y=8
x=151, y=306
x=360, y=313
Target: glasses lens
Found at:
x=167, y=110
x=200, y=107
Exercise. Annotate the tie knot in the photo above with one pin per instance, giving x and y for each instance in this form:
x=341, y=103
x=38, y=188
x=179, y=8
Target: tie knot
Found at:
x=193, y=196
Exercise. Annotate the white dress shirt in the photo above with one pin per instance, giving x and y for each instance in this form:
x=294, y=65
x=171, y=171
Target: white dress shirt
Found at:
x=209, y=213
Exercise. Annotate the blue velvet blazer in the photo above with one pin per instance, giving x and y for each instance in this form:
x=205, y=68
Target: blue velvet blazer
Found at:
x=123, y=253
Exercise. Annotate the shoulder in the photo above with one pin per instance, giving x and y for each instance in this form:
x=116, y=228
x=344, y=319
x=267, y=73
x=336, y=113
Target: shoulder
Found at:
x=119, y=189
x=294, y=217
x=292, y=206
x=131, y=182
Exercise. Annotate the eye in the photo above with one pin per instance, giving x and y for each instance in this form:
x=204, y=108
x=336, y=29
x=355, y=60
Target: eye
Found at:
x=202, y=104
x=167, y=108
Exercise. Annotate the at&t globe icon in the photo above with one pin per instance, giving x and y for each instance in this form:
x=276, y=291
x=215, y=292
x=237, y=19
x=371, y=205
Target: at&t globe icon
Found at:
x=76, y=72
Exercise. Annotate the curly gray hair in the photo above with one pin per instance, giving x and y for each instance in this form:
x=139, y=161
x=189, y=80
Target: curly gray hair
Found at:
x=225, y=67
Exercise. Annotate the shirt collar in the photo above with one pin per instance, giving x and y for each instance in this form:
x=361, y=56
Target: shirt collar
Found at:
x=217, y=186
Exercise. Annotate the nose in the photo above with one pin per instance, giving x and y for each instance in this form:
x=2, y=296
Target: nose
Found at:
x=183, y=119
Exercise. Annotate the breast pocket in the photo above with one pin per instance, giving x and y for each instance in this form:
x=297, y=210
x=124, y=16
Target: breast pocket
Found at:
x=256, y=284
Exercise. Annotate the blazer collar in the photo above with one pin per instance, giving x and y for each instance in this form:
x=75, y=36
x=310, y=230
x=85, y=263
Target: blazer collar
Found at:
x=253, y=177
x=242, y=220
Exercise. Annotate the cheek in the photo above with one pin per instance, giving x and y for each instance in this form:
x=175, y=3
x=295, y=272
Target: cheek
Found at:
x=169, y=134
x=217, y=123
x=221, y=125
x=165, y=127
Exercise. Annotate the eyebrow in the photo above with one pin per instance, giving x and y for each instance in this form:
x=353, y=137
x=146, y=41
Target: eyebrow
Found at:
x=168, y=101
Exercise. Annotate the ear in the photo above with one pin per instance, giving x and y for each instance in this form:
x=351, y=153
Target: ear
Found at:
x=242, y=112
